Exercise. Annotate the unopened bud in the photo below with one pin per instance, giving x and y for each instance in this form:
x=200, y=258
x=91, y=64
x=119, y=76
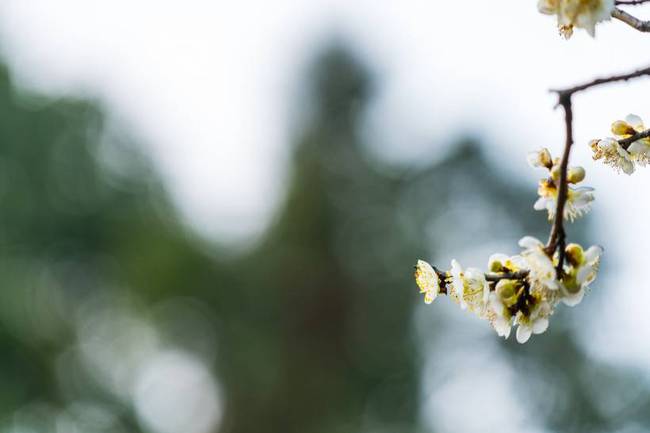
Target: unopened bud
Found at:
x=574, y=254
x=576, y=175
x=621, y=127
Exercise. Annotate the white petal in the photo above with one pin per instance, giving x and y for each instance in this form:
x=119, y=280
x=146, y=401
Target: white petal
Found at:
x=523, y=333
x=628, y=167
x=607, y=143
x=593, y=253
x=638, y=147
x=635, y=121
x=573, y=299
x=586, y=275
x=540, y=325
x=530, y=243
x=502, y=326
x=541, y=203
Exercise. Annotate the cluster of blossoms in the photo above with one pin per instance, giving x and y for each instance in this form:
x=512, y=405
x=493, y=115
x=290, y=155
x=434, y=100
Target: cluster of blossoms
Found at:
x=619, y=157
x=521, y=290
x=584, y=14
x=578, y=200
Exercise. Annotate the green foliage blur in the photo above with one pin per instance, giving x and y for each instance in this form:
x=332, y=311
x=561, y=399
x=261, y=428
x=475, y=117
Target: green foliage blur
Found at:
x=312, y=331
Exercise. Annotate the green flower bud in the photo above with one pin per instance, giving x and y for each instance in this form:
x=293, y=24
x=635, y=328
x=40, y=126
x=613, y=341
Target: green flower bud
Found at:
x=576, y=175
x=574, y=254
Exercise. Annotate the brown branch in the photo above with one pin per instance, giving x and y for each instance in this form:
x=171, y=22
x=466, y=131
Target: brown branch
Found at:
x=519, y=275
x=489, y=276
x=605, y=80
x=630, y=2
x=626, y=142
x=631, y=20
x=557, y=236
x=556, y=240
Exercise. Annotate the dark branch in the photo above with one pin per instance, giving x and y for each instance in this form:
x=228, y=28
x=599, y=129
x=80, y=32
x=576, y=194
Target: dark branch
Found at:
x=626, y=142
x=630, y=2
x=519, y=275
x=631, y=20
x=490, y=276
x=600, y=81
x=556, y=238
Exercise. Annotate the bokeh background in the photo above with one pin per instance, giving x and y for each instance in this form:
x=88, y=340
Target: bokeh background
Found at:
x=209, y=214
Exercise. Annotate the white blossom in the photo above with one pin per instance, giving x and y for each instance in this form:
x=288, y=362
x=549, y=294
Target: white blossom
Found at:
x=427, y=280
x=536, y=322
x=611, y=152
x=470, y=286
x=639, y=150
x=542, y=271
x=581, y=272
x=584, y=14
x=577, y=204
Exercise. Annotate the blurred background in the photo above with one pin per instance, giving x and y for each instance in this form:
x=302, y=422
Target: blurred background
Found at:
x=209, y=214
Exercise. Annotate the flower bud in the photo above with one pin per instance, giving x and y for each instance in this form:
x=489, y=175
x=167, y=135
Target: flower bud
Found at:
x=574, y=254
x=540, y=158
x=576, y=175
x=507, y=291
x=621, y=127
x=497, y=263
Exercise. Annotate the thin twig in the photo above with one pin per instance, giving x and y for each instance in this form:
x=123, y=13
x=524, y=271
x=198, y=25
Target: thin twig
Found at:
x=605, y=80
x=630, y=2
x=557, y=235
x=556, y=240
x=631, y=20
x=490, y=276
x=519, y=275
x=626, y=142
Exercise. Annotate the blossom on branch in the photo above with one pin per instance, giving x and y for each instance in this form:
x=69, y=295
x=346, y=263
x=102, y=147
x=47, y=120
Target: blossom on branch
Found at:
x=427, y=281
x=611, y=152
x=624, y=157
x=521, y=290
x=578, y=200
x=584, y=14
x=580, y=272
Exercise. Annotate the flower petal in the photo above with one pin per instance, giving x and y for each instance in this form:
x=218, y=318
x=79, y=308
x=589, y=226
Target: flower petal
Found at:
x=530, y=243
x=540, y=325
x=523, y=333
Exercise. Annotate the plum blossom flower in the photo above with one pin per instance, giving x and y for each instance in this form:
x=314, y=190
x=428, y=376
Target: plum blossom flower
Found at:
x=470, y=287
x=427, y=280
x=577, y=204
x=540, y=158
x=584, y=14
x=611, y=152
x=578, y=200
x=640, y=149
x=581, y=272
x=542, y=270
x=535, y=322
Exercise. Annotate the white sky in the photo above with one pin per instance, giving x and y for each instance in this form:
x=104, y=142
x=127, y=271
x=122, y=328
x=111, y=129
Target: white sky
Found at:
x=208, y=86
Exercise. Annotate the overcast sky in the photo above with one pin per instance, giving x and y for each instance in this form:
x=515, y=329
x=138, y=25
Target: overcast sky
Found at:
x=208, y=87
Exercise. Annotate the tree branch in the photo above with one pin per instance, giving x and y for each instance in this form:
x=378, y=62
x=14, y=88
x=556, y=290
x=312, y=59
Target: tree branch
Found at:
x=630, y=2
x=600, y=81
x=556, y=239
x=489, y=276
x=626, y=142
x=630, y=20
